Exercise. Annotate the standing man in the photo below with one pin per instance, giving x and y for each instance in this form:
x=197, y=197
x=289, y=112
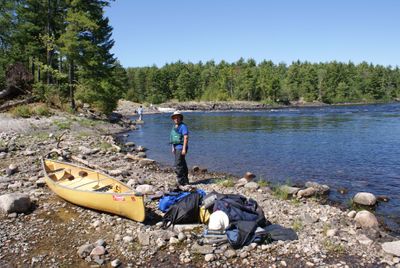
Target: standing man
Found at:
x=179, y=139
x=140, y=112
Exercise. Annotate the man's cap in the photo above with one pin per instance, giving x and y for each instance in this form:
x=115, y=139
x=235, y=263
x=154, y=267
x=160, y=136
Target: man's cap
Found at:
x=177, y=113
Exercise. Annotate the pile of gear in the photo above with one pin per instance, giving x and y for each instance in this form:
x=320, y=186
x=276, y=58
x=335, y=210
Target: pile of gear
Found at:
x=228, y=217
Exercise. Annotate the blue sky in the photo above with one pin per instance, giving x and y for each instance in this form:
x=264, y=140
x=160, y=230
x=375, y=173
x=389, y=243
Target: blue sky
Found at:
x=156, y=32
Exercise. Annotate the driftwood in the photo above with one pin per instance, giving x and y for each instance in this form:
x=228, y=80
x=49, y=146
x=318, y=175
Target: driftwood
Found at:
x=86, y=163
x=12, y=104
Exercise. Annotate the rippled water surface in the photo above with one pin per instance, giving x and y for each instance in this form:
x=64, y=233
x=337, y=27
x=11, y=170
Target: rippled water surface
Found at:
x=352, y=147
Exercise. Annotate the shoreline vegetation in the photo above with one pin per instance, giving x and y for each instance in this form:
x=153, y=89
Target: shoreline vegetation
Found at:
x=328, y=236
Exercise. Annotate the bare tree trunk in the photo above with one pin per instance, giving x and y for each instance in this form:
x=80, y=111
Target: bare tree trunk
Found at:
x=71, y=79
x=48, y=54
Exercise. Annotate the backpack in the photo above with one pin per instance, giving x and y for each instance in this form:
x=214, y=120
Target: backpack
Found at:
x=238, y=208
x=186, y=210
x=171, y=198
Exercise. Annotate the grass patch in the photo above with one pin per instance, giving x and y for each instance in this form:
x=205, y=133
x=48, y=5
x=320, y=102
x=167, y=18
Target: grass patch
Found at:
x=41, y=110
x=83, y=134
x=296, y=202
x=62, y=125
x=27, y=111
x=41, y=136
x=225, y=182
x=325, y=228
x=263, y=183
x=21, y=111
x=280, y=193
x=2, y=143
x=297, y=225
x=84, y=122
x=332, y=247
x=105, y=146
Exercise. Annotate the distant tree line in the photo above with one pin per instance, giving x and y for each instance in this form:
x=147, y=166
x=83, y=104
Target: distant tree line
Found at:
x=65, y=46
x=332, y=82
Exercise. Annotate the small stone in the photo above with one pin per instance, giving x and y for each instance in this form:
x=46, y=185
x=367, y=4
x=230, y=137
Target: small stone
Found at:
x=98, y=251
x=96, y=223
x=209, y=257
x=84, y=250
x=364, y=240
x=331, y=232
x=100, y=242
x=11, y=169
x=116, y=263
x=173, y=240
x=196, y=169
x=181, y=236
x=230, y=253
x=40, y=182
x=129, y=144
x=352, y=214
x=127, y=239
x=244, y=255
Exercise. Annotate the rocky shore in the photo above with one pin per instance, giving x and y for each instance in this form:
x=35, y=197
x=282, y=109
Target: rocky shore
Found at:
x=128, y=108
x=47, y=231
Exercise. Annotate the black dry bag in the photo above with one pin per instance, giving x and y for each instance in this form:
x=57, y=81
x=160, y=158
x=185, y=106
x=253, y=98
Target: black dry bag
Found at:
x=186, y=210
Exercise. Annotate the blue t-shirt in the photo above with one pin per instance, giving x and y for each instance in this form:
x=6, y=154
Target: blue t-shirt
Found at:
x=183, y=130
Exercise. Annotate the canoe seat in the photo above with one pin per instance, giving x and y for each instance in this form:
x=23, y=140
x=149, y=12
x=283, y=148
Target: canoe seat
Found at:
x=104, y=188
x=94, y=181
x=56, y=171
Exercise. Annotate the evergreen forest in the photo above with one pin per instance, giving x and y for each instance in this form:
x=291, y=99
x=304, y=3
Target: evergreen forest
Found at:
x=59, y=51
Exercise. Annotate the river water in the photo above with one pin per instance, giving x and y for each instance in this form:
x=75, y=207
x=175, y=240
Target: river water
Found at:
x=352, y=147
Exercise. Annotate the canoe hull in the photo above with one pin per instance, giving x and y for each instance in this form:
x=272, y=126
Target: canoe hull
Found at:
x=82, y=191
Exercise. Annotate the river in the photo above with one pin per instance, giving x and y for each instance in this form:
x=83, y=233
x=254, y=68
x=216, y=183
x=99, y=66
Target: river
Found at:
x=352, y=147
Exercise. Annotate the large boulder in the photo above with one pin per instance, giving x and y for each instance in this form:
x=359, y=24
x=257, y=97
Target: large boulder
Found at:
x=15, y=202
x=366, y=219
x=145, y=189
x=366, y=199
x=306, y=192
x=320, y=189
x=289, y=189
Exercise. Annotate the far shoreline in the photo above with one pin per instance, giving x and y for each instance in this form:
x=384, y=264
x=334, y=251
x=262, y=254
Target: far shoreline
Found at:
x=128, y=108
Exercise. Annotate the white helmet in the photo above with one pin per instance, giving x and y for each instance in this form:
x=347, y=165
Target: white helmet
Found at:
x=218, y=221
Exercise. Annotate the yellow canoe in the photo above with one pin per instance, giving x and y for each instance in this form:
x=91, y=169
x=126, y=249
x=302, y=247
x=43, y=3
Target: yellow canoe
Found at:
x=89, y=188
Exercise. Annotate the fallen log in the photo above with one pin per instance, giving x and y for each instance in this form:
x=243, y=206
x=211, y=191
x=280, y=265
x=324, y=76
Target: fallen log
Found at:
x=10, y=104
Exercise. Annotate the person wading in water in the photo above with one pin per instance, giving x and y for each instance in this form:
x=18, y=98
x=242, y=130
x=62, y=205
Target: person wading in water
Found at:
x=179, y=139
